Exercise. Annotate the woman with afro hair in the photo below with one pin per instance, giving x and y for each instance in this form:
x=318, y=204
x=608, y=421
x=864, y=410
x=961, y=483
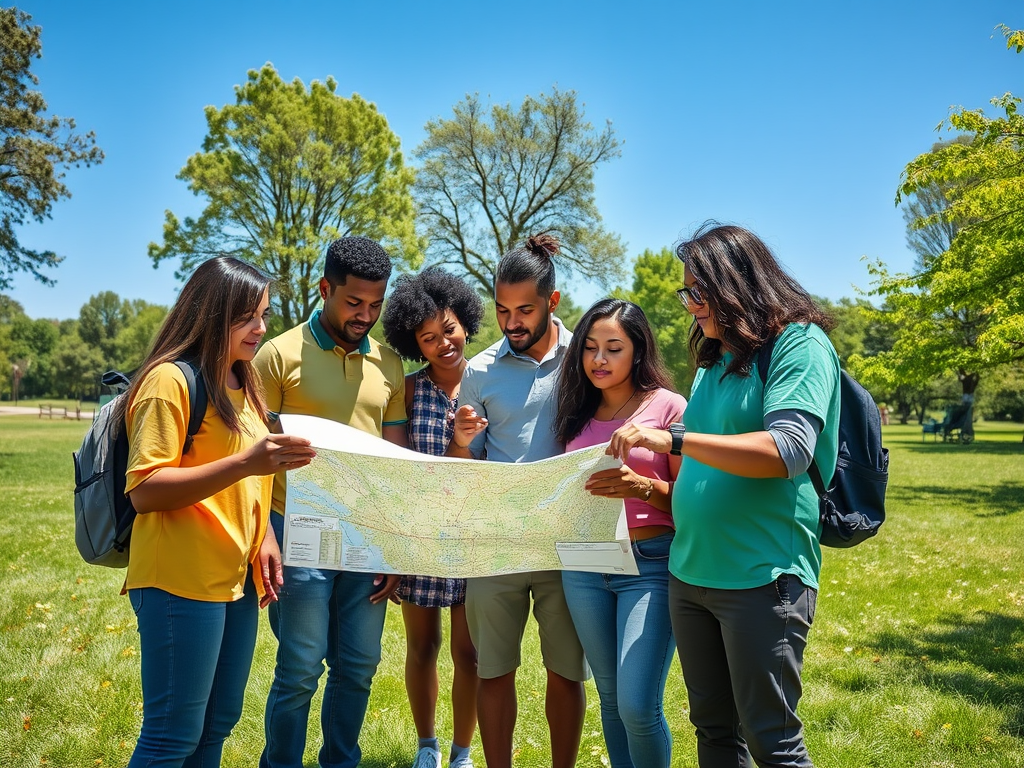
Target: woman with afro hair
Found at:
x=429, y=317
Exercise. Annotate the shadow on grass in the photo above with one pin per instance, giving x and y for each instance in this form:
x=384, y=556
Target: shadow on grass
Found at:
x=974, y=657
x=987, y=447
x=998, y=500
x=374, y=761
x=381, y=762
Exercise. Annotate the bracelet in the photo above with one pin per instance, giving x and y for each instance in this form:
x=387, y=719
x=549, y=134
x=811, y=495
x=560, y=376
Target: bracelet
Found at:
x=646, y=495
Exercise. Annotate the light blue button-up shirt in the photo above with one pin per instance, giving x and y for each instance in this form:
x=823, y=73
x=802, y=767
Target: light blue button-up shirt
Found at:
x=518, y=397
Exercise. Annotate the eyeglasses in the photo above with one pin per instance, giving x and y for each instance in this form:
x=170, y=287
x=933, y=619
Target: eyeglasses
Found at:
x=690, y=293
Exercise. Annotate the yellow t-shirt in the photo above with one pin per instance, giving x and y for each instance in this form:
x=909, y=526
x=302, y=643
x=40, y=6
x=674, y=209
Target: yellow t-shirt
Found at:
x=304, y=372
x=200, y=552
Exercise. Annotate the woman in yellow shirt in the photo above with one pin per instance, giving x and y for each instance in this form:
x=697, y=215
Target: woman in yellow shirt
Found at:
x=202, y=515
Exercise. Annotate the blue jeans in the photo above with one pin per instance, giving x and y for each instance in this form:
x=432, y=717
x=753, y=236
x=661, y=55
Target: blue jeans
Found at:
x=196, y=657
x=623, y=623
x=322, y=614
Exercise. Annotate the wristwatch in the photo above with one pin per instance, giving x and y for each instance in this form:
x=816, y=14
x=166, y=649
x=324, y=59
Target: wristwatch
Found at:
x=678, y=431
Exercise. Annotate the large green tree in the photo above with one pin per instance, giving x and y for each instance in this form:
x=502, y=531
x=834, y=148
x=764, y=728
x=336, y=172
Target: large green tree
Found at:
x=31, y=345
x=962, y=310
x=101, y=319
x=491, y=177
x=77, y=367
x=284, y=170
x=10, y=310
x=134, y=340
x=930, y=230
x=35, y=149
x=121, y=331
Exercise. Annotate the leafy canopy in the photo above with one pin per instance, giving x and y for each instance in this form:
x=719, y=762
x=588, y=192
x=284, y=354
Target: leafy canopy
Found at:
x=490, y=178
x=962, y=309
x=285, y=170
x=35, y=150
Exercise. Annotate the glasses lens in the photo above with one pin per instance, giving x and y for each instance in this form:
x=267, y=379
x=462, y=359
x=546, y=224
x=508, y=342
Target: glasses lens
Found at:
x=690, y=293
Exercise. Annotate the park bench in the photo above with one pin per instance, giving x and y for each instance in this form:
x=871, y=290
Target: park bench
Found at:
x=60, y=411
x=931, y=427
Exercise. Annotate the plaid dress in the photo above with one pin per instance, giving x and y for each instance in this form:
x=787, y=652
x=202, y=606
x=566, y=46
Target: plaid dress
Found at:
x=431, y=426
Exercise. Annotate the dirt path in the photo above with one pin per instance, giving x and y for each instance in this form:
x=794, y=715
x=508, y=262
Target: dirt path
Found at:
x=18, y=410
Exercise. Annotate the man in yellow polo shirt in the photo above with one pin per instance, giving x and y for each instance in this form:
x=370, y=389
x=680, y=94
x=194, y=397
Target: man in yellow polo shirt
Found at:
x=331, y=368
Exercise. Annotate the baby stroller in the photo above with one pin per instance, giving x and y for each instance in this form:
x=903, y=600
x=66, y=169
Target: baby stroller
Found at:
x=959, y=423
x=956, y=426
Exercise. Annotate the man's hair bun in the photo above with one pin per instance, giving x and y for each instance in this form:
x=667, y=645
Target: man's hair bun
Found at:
x=543, y=244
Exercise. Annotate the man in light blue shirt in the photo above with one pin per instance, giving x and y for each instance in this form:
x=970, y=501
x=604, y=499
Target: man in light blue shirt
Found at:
x=507, y=409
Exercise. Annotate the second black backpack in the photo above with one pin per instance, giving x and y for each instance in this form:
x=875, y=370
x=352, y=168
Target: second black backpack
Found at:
x=853, y=508
x=103, y=513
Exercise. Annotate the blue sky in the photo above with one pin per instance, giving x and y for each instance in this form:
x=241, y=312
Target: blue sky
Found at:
x=794, y=119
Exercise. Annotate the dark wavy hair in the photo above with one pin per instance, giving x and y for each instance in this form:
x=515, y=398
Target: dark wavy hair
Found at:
x=578, y=398
x=752, y=297
x=222, y=293
x=417, y=298
x=532, y=262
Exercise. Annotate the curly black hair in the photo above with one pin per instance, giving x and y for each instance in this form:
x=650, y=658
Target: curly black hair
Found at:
x=417, y=298
x=360, y=257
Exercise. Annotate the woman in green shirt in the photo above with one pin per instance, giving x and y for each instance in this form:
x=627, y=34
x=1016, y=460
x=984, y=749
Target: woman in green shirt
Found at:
x=745, y=559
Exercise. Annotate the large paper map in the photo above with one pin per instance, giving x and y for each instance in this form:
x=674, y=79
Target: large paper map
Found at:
x=366, y=505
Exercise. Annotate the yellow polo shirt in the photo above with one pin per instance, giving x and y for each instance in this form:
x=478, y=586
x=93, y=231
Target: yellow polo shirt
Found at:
x=200, y=552
x=305, y=372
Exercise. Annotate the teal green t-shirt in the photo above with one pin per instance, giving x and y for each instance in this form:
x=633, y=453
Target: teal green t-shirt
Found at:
x=737, y=532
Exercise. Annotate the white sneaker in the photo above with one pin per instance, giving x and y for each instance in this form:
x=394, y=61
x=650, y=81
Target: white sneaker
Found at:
x=427, y=758
x=463, y=762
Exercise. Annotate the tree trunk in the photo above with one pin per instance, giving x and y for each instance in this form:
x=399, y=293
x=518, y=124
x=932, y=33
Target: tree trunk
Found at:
x=969, y=383
x=903, y=409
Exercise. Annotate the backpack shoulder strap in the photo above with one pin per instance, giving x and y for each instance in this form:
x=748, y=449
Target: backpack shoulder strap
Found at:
x=815, y=475
x=764, y=358
x=116, y=381
x=197, y=399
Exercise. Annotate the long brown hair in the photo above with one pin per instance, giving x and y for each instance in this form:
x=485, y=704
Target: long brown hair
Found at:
x=752, y=297
x=221, y=293
x=578, y=398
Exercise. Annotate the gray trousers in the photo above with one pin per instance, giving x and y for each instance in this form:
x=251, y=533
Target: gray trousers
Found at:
x=742, y=653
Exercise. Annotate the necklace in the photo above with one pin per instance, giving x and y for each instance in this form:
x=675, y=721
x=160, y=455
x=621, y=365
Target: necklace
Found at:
x=628, y=401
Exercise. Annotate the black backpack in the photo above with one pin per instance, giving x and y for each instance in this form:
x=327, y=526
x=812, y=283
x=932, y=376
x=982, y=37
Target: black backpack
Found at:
x=103, y=513
x=853, y=509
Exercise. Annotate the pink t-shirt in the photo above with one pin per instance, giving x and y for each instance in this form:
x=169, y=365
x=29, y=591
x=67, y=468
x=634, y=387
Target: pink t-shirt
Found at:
x=658, y=411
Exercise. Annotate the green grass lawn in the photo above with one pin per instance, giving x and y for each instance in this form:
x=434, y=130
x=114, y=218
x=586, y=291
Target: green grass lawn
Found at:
x=916, y=657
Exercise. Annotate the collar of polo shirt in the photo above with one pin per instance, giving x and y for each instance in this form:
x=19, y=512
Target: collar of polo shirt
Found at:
x=324, y=340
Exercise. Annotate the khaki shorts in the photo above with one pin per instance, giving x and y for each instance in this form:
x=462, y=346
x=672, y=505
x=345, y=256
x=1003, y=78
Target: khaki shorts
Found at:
x=498, y=607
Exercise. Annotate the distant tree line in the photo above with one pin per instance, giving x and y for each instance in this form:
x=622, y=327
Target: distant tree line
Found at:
x=65, y=358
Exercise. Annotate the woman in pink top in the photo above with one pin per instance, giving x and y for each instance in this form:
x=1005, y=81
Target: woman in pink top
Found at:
x=612, y=375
